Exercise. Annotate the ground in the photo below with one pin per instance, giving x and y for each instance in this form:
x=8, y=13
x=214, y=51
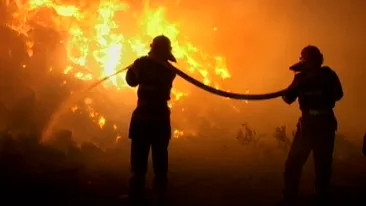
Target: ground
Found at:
x=211, y=173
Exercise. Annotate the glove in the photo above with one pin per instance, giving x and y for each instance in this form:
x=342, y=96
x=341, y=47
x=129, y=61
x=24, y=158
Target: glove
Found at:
x=298, y=67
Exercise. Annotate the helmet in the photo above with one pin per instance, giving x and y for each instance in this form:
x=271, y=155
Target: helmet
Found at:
x=312, y=54
x=161, y=42
x=162, y=45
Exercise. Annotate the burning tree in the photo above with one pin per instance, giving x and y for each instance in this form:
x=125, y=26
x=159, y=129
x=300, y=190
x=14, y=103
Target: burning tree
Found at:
x=66, y=46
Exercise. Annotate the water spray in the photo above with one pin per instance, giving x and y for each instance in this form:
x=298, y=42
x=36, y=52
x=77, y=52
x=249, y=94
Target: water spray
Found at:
x=76, y=96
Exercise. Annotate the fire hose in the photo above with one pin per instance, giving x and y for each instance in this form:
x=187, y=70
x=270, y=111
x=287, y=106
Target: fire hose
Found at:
x=206, y=88
x=73, y=98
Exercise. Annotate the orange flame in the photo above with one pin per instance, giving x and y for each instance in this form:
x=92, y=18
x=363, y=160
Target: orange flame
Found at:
x=98, y=40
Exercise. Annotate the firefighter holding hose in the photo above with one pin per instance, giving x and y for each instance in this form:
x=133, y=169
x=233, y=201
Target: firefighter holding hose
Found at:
x=317, y=89
x=150, y=123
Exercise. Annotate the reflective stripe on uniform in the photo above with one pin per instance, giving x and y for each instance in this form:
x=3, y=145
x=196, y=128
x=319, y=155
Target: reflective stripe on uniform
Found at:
x=318, y=112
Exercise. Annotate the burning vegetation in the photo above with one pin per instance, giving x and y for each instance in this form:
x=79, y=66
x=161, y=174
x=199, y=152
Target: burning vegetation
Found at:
x=80, y=42
x=51, y=50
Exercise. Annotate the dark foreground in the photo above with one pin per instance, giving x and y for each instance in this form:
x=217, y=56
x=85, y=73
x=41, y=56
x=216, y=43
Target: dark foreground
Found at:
x=201, y=173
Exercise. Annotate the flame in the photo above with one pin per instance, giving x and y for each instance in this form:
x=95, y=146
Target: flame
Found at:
x=97, y=41
x=101, y=122
x=178, y=133
x=118, y=138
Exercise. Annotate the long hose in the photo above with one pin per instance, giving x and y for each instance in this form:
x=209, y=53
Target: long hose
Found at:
x=73, y=98
x=207, y=88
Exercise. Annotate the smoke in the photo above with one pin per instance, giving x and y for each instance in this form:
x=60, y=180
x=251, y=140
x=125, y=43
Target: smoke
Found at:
x=259, y=39
x=222, y=138
x=262, y=38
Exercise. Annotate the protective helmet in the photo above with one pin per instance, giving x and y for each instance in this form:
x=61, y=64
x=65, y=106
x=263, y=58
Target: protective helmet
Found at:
x=312, y=53
x=162, y=44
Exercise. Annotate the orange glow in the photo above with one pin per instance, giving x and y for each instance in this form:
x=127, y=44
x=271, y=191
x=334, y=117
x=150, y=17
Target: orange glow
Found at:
x=98, y=42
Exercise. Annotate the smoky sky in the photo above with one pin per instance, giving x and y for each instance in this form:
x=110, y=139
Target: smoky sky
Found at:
x=261, y=39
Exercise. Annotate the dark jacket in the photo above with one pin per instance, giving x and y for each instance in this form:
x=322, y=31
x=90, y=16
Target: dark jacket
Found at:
x=317, y=91
x=154, y=83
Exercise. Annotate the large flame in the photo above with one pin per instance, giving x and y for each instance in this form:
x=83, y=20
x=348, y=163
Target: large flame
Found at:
x=100, y=38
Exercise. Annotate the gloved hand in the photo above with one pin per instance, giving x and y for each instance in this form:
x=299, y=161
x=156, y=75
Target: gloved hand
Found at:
x=298, y=67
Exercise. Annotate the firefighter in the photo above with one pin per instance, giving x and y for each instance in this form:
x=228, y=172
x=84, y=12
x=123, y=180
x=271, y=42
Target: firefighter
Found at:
x=317, y=89
x=150, y=122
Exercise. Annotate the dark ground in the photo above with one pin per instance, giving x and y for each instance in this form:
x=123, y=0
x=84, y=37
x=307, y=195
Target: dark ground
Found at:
x=201, y=173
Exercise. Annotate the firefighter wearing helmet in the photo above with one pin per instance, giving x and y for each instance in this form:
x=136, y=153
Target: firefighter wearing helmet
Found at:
x=150, y=122
x=317, y=89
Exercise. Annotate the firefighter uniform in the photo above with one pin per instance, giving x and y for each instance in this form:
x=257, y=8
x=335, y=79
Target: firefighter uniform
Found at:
x=150, y=122
x=317, y=92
